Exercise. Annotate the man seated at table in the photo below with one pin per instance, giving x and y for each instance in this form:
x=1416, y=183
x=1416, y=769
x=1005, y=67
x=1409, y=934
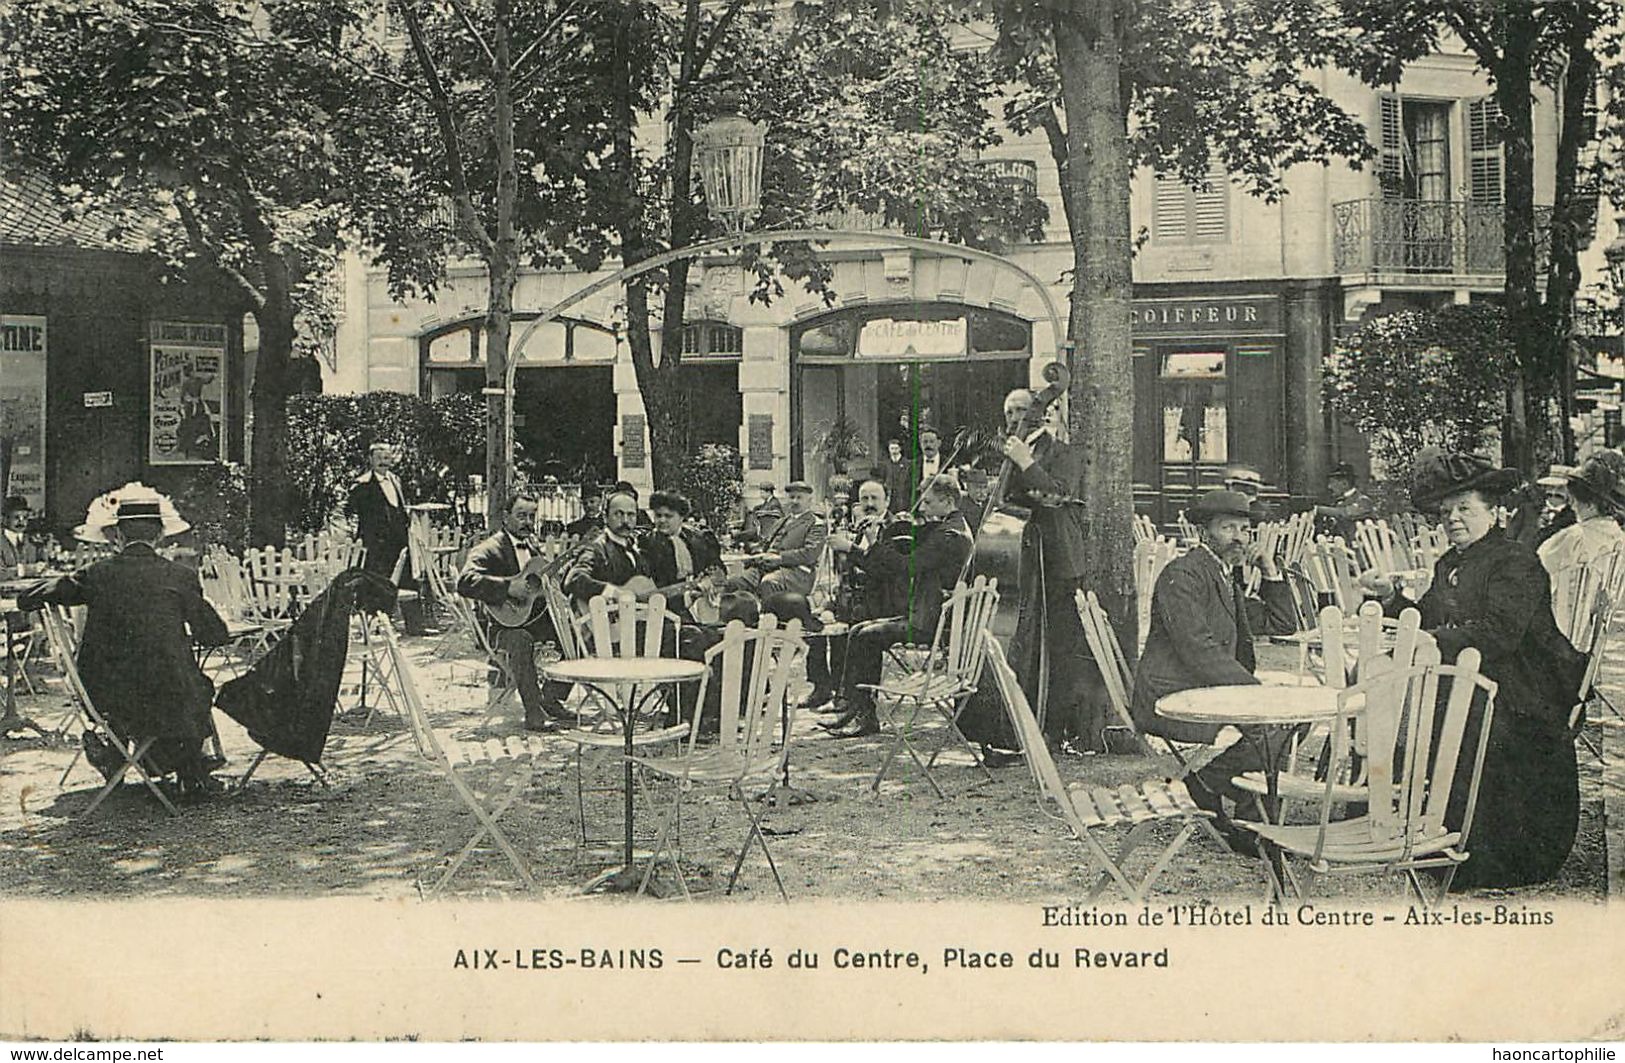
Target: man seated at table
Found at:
x=763, y=518
x=678, y=552
x=941, y=546
x=791, y=552
x=491, y=575
x=1200, y=637
x=136, y=655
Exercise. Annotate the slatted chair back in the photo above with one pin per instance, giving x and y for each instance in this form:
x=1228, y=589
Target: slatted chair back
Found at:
x=1575, y=590
x=275, y=578
x=966, y=614
x=1144, y=530
x=613, y=628
x=1107, y=651
x=1331, y=565
x=1591, y=639
x=1380, y=548
x=1299, y=533
x=1305, y=599
x=564, y=619
x=1149, y=561
x=1428, y=546
x=754, y=682
x=1187, y=530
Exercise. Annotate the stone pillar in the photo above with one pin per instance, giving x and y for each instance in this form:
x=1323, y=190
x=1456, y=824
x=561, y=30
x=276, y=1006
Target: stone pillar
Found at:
x=764, y=389
x=633, y=462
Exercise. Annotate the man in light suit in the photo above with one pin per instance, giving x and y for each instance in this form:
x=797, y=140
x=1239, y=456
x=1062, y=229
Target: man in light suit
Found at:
x=1200, y=637
x=791, y=551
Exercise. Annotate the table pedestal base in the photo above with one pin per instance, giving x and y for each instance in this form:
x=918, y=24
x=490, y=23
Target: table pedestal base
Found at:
x=628, y=880
x=12, y=721
x=783, y=795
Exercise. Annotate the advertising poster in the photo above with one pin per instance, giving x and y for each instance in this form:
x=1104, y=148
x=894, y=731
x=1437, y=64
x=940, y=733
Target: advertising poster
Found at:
x=188, y=394
x=22, y=404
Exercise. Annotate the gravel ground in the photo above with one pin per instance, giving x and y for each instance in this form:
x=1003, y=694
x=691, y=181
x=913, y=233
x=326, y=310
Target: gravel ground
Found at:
x=389, y=821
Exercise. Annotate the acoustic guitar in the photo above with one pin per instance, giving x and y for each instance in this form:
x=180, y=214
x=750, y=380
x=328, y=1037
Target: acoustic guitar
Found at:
x=519, y=610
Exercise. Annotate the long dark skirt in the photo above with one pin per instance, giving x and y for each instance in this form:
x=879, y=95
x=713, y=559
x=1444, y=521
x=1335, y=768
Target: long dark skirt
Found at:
x=1528, y=802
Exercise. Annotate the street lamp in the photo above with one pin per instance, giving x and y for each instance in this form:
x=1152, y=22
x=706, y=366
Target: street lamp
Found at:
x=728, y=153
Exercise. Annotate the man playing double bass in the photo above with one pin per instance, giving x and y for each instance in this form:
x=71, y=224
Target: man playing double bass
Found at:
x=1045, y=476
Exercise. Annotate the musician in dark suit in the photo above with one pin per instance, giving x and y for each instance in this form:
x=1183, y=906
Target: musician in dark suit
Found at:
x=941, y=546
x=675, y=551
x=488, y=576
x=136, y=657
x=898, y=472
x=1200, y=637
x=613, y=558
x=1046, y=477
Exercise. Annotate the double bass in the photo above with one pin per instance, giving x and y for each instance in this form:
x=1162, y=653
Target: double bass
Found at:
x=998, y=553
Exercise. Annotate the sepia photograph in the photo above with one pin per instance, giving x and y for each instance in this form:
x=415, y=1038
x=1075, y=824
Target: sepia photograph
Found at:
x=829, y=520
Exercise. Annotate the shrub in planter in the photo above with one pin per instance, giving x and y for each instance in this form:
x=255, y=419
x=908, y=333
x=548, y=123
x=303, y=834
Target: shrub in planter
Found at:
x=214, y=500
x=711, y=477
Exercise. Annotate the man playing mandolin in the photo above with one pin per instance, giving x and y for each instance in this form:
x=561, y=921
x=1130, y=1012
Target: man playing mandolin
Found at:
x=610, y=561
x=492, y=576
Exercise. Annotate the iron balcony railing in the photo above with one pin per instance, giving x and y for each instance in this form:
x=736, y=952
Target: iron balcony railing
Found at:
x=1426, y=236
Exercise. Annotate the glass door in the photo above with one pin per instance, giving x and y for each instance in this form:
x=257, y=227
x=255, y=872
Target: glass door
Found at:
x=1193, y=400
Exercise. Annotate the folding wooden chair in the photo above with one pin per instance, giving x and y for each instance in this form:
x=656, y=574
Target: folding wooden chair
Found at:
x=943, y=681
x=514, y=760
x=1589, y=635
x=1149, y=561
x=1107, y=651
x=131, y=752
x=613, y=628
x=1331, y=565
x=1095, y=814
x=742, y=762
x=1415, y=727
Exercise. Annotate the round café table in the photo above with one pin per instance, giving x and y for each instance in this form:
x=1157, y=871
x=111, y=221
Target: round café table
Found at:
x=607, y=676
x=1267, y=715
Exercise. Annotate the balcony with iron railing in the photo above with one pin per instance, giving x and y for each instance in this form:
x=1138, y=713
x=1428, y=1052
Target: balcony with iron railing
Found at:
x=1427, y=243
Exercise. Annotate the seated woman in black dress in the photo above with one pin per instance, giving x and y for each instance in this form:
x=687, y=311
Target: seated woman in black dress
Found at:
x=1491, y=592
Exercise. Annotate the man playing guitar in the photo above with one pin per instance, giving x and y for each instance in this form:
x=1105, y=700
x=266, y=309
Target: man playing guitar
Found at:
x=492, y=576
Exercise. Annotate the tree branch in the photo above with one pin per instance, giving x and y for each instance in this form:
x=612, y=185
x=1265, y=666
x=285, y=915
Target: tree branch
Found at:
x=194, y=232
x=1465, y=21
x=541, y=38
x=717, y=31
x=473, y=31
x=447, y=120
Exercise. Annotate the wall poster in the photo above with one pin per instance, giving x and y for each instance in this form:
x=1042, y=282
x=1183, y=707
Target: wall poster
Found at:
x=23, y=346
x=187, y=420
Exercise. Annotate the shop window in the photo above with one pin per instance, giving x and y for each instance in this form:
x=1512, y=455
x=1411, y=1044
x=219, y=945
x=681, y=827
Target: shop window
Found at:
x=1181, y=214
x=1197, y=365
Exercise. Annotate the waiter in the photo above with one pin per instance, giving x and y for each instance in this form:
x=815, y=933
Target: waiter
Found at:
x=378, y=504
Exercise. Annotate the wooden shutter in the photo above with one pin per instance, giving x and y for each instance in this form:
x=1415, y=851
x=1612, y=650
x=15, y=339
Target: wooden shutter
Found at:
x=1170, y=221
x=1391, y=149
x=1210, y=208
x=1484, y=150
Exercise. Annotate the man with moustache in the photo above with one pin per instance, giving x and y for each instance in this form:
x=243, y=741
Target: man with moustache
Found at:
x=1200, y=637
x=872, y=579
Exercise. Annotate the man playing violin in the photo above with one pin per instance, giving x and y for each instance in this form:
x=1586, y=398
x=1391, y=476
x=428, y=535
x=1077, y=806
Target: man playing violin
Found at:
x=937, y=550
x=492, y=575
x=677, y=552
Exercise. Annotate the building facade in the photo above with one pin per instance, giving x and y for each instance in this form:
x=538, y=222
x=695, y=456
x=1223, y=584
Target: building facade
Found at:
x=1237, y=303
x=107, y=374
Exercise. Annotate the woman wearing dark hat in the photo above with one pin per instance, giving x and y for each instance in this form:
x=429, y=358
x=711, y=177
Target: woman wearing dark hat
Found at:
x=1490, y=592
x=1596, y=494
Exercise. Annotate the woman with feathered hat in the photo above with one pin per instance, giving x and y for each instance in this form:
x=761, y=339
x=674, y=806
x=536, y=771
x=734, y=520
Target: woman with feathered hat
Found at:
x=1490, y=592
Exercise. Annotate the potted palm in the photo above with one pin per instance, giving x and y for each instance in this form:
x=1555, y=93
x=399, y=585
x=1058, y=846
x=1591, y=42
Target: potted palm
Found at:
x=843, y=447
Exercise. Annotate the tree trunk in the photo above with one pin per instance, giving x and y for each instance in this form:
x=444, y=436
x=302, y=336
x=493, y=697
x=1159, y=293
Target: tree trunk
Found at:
x=502, y=267
x=270, y=497
x=1088, y=53
x=1530, y=428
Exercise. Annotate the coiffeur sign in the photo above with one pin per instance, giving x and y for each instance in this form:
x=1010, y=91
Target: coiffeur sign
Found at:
x=187, y=425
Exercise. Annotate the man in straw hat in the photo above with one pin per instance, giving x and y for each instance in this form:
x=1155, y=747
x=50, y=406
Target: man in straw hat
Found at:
x=1200, y=637
x=135, y=656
